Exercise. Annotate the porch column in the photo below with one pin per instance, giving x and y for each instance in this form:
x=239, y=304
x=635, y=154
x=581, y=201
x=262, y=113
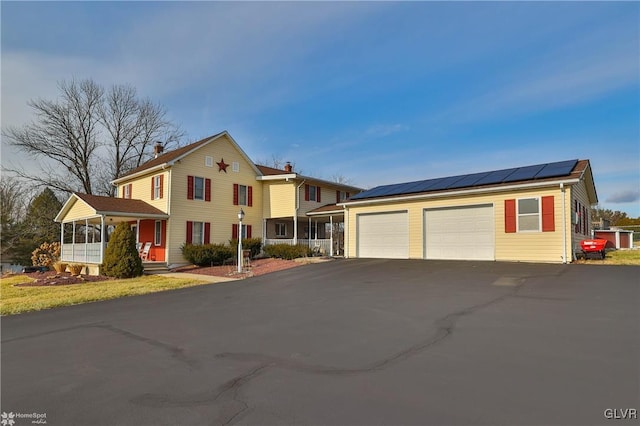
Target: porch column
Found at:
x=331, y=236
x=102, y=238
x=86, y=238
x=73, y=241
x=316, y=238
x=295, y=230
x=138, y=230
x=309, y=233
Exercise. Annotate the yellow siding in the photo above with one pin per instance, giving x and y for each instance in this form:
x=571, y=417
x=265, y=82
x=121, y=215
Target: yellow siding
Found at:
x=79, y=210
x=220, y=212
x=327, y=196
x=279, y=199
x=141, y=190
x=519, y=246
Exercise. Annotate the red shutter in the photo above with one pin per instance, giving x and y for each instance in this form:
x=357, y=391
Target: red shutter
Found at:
x=509, y=216
x=207, y=232
x=123, y=187
x=234, y=231
x=548, y=214
x=318, y=191
x=189, y=187
x=189, y=232
x=337, y=197
x=250, y=196
x=306, y=192
x=248, y=231
x=584, y=220
x=207, y=189
x=235, y=194
x=161, y=185
x=152, y=179
x=130, y=190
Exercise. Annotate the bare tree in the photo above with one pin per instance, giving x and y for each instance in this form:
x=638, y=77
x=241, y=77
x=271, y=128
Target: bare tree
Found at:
x=14, y=198
x=341, y=179
x=91, y=136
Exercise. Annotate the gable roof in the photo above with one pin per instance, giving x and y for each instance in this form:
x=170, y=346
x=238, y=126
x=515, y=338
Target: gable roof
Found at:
x=270, y=173
x=111, y=206
x=570, y=170
x=168, y=159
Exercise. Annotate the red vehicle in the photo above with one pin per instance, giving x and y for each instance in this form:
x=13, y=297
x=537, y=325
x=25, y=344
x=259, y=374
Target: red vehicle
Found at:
x=593, y=246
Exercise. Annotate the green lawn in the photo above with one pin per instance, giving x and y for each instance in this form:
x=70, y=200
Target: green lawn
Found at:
x=16, y=300
x=617, y=257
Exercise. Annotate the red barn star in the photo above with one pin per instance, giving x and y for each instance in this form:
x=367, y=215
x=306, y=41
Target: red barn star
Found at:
x=222, y=166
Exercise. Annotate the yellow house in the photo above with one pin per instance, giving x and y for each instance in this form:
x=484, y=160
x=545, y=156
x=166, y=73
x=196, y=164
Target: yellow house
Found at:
x=193, y=195
x=536, y=214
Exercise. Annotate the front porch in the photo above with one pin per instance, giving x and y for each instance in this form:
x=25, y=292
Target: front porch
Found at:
x=87, y=221
x=322, y=230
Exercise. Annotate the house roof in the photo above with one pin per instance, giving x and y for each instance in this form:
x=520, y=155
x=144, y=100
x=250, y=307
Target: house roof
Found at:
x=111, y=206
x=270, y=173
x=539, y=173
x=170, y=157
x=326, y=210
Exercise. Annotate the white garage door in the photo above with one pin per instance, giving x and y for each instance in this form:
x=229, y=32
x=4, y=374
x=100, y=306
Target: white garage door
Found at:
x=383, y=235
x=465, y=233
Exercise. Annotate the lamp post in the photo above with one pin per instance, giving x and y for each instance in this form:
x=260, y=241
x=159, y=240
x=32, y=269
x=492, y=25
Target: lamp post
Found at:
x=240, y=217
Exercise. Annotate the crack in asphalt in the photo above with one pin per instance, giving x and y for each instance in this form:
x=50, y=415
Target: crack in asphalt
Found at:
x=175, y=352
x=235, y=406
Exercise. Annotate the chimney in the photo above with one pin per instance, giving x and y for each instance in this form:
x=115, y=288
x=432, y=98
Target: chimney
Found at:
x=157, y=149
x=288, y=167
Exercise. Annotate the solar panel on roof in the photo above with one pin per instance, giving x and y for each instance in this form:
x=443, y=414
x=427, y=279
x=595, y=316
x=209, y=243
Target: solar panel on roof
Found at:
x=468, y=180
x=495, y=177
x=524, y=173
x=561, y=168
x=444, y=183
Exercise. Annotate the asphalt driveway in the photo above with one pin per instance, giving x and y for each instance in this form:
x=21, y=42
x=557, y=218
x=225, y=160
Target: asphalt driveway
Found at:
x=345, y=342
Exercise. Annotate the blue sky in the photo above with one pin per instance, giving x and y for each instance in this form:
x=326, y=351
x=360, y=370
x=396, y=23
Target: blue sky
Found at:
x=380, y=92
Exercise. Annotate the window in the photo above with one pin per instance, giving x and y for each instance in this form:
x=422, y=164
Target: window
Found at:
x=246, y=231
x=198, y=232
x=242, y=195
x=198, y=188
x=208, y=161
x=312, y=193
x=341, y=196
x=126, y=191
x=528, y=214
x=156, y=187
x=157, y=239
x=235, y=166
x=281, y=229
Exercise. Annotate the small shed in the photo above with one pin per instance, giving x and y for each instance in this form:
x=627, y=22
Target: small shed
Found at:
x=616, y=238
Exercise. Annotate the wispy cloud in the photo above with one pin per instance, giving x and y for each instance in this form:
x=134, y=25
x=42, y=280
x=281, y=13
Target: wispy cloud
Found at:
x=626, y=196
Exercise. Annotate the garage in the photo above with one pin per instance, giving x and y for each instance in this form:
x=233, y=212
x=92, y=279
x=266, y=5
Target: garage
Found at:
x=460, y=233
x=383, y=235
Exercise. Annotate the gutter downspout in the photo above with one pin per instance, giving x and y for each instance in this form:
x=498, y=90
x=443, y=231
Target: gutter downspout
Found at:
x=295, y=216
x=564, y=224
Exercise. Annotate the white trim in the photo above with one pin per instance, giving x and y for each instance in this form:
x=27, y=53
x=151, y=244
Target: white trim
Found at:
x=148, y=171
x=454, y=193
x=155, y=233
x=518, y=214
x=277, y=177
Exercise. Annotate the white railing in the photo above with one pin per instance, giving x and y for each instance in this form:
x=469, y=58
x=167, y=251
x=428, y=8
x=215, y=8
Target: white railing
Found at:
x=82, y=253
x=322, y=245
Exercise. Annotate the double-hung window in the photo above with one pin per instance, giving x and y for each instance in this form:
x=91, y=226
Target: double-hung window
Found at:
x=198, y=188
x=198, y=233
x=529, y=215
x=281, y=230
x=157, y=237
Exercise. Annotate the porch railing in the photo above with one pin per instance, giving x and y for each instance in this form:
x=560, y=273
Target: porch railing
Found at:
x=323, y=245
x=81, y=252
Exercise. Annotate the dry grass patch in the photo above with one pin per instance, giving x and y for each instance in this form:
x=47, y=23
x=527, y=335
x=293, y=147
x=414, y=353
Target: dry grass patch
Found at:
x=617, y=257
x=16, y=300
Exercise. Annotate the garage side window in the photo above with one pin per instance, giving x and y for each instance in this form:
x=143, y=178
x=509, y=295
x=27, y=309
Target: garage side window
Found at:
x=528, y=214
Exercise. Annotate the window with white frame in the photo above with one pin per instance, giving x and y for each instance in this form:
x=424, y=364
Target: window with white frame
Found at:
x=157, y=236
x=208, y=161
x=127, y=191
x=235, y=166
x=198, y=188
x=281, y=229
x=157, y=189
x=529, y=215
x=198, y=233
x=242, y=195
